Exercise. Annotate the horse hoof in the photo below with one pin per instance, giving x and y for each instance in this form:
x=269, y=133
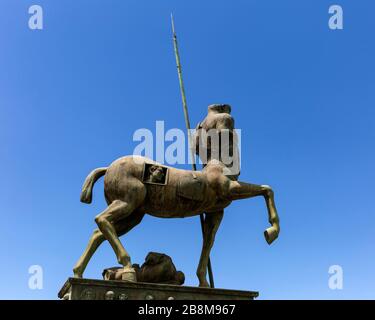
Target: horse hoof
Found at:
x=271, y=234
x=128, y=274
x=204, y=285
x=77, y=275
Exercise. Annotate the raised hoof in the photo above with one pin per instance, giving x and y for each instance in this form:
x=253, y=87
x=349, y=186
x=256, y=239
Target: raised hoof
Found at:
x=271, y=234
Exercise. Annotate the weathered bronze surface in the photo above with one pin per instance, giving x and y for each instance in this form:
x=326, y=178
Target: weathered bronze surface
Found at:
x=167, y=192
x=87, y=289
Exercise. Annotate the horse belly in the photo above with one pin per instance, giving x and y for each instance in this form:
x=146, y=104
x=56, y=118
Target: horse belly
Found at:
x=164, y=202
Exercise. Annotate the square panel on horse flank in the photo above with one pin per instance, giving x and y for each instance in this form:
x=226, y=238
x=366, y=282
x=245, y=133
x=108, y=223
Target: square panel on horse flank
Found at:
x=155, y=174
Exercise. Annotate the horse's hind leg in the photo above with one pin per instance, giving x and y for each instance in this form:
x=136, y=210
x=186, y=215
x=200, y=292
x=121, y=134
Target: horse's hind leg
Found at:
x=96, y=239
x=122, y=227
x=116, y=211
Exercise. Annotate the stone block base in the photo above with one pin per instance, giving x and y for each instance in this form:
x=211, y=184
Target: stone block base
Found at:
x=87, y=289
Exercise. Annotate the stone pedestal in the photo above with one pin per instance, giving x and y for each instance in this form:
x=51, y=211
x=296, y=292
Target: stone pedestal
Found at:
x=87, y=289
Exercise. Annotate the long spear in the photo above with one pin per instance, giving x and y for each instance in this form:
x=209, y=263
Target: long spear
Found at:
x=187, y=122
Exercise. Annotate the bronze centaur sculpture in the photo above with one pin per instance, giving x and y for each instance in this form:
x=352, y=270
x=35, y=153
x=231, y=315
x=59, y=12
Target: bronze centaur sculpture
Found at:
x=135, y=186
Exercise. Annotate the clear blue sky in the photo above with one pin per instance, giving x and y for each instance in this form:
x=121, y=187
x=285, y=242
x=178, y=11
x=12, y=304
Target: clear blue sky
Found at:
x=72, y=94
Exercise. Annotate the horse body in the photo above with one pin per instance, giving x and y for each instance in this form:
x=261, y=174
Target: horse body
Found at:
x=186, y=193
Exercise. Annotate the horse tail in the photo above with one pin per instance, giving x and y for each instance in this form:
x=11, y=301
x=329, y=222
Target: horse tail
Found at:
x=86, y=194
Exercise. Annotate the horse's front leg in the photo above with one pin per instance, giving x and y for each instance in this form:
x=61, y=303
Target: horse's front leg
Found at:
x=211, y=224
x=242, y=190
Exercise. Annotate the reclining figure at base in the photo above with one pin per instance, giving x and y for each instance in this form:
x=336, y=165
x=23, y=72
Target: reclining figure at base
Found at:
x=157, y=268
